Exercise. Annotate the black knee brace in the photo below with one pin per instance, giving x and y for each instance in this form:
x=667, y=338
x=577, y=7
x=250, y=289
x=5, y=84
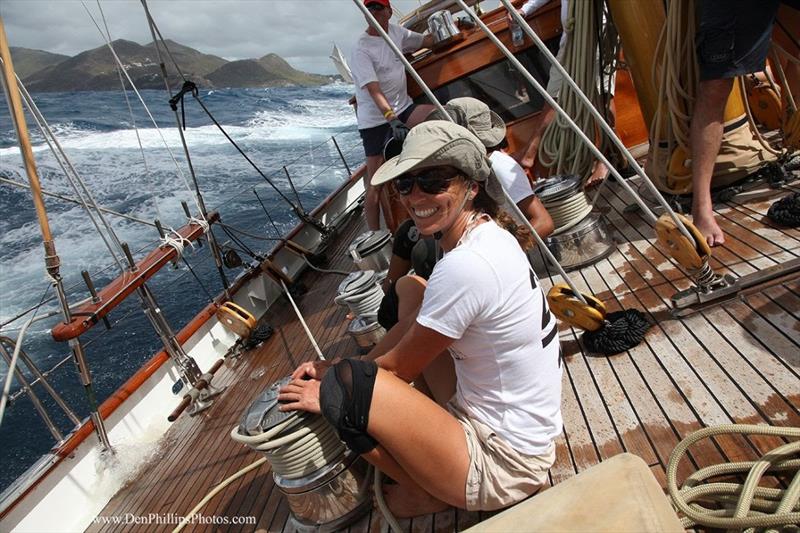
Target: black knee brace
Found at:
x=345, y=396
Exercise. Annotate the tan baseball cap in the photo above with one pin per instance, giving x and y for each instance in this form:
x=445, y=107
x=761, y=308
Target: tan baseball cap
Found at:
x=476, y=117
x=438, y=143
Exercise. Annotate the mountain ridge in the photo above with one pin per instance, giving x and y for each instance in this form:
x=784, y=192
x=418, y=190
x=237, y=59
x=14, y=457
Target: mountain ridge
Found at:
x=95, y=69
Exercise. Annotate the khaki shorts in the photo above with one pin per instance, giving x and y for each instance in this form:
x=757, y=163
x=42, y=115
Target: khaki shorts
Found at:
x=498, y=475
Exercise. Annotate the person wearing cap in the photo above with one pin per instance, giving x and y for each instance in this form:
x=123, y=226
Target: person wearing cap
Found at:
x=383, y=106
x=492, y=443
x=487, y=126
x=410, y=250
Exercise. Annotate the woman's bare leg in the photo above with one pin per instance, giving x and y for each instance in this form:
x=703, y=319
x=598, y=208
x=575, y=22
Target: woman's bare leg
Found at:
x=422, y=445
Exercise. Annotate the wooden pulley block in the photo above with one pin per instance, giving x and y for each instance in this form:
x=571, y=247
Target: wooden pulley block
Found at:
x=791, y=131
x=690, y=255
x=765, y=104
x=236, y=319
x=567, y=307
x=679, y=171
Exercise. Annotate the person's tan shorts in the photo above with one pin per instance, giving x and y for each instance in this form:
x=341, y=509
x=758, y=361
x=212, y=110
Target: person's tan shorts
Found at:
x=498, y=475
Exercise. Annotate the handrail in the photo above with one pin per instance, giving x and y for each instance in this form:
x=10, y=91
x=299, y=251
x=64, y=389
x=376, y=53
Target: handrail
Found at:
x=115, y=292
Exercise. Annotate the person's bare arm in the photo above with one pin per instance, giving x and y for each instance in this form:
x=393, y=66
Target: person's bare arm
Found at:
x=535, y=212
x=415, y=350
x=374, y=89
x=397, y=267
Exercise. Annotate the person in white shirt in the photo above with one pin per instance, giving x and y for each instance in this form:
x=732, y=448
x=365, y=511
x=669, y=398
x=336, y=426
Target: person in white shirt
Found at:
x=492, y=444
x=383, y=107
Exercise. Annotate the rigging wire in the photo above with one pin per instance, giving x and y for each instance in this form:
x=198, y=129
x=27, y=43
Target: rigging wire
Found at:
x=146, y=108
x=74, y=178
x=78, y=202
x=130, y=112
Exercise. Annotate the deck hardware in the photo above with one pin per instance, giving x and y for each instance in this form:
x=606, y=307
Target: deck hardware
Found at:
x=127, y=251
x=160, y=228
x=690, y=300
x=325, y=485
x=693, y=256
x=588, y=316
x=199, y=397
x=95, y=298
x=236, y=319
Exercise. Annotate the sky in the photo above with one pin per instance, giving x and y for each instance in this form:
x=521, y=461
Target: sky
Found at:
x=300, y=31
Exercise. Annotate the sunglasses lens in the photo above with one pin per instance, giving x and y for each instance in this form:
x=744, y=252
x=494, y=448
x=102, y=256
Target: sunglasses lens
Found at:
x=433, y=184
x=375, y=7
x=404, y=184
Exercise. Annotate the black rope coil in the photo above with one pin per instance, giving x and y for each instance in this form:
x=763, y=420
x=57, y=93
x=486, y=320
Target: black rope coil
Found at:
x=622, y=331
x=786, y=211
x=259, y=334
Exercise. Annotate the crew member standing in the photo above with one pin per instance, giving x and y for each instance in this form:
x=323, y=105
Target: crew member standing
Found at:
x=383, y=106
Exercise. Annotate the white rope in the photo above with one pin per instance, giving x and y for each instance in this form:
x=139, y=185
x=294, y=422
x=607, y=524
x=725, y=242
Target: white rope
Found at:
x=178, y=243
x=202, y=222
x=144, y=106
x=561, y=147
x=303, y=322
x=600, y=120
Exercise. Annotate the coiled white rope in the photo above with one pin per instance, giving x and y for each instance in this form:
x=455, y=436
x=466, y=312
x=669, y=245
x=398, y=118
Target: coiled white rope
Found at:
x=298, y=446
x=364, y=303
x=732, y=505
x=560, y=147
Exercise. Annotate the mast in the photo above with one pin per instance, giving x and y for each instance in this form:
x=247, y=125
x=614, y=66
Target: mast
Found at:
x=52, y=262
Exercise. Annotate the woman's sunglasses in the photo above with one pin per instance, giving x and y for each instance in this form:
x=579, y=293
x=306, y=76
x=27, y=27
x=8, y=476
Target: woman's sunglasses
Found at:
x=433, y=181
x=375, y=7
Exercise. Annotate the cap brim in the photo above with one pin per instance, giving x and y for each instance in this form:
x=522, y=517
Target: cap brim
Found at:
x=498, y=132
x=394, y=168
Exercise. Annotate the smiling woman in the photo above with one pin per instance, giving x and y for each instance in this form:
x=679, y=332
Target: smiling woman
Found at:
x=481, y=334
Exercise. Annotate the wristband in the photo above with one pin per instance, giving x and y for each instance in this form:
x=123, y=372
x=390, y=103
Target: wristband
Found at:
x=388, y=114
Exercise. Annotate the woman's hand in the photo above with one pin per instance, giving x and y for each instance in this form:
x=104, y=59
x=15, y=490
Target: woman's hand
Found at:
x=313, y=370
x=300, y=395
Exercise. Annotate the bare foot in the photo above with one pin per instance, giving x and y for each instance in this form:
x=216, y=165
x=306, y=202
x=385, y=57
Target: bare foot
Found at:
x=709, y=228
x=406, y=504
x=598, y=176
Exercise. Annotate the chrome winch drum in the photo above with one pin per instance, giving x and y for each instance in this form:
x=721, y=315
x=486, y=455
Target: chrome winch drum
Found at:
x=372, y=250
x=587, y=242
x=326, y=485
x=365, y=332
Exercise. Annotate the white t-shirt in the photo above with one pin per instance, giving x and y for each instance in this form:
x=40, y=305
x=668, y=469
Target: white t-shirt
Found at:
x=373, y=60
x=511, y=175
x=484, y=295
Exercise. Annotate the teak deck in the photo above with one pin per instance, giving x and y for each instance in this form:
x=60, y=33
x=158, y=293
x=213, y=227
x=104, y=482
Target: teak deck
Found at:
x=736, y=362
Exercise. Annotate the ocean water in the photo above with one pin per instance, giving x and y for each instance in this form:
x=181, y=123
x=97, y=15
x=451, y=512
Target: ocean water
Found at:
x=275, y=127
